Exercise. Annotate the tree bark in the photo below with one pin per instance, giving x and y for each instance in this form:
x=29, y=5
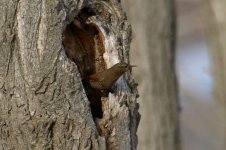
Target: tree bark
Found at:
x=153, y=50
x=216, y=32
x=43, y=98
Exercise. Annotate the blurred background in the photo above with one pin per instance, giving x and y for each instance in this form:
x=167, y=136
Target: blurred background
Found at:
x=174, y=46
x=201, y=126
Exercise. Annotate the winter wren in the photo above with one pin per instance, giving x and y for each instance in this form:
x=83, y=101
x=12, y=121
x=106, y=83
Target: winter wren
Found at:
x=104, y=80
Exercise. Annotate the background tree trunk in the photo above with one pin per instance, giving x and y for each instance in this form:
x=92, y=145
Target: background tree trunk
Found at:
x=153, y=50
x=43, y=101
x=216, y=31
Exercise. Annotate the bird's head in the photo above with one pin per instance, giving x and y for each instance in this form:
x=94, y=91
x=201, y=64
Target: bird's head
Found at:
x=122, y=67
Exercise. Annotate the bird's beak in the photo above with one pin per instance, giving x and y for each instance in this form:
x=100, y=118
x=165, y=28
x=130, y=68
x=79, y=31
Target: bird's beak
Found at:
x=132, y=66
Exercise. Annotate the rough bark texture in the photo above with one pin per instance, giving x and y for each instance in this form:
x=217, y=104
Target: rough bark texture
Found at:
x=216, y=30
x=152, y=49
x=43, y=101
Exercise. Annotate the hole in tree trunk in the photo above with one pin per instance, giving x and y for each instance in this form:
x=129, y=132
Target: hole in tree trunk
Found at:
x=83, y=44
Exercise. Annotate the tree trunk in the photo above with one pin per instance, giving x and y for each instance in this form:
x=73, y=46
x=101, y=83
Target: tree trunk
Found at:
x=153, y=50
x=43, y=95
x=216, y=31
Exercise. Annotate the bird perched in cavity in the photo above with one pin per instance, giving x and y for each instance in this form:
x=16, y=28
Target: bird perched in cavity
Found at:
x=105, y=80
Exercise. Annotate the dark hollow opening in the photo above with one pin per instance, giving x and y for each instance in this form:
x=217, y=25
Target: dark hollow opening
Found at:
x=83, y=44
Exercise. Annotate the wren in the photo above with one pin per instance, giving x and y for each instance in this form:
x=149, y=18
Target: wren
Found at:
x=105, y=80
x=100, y=84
